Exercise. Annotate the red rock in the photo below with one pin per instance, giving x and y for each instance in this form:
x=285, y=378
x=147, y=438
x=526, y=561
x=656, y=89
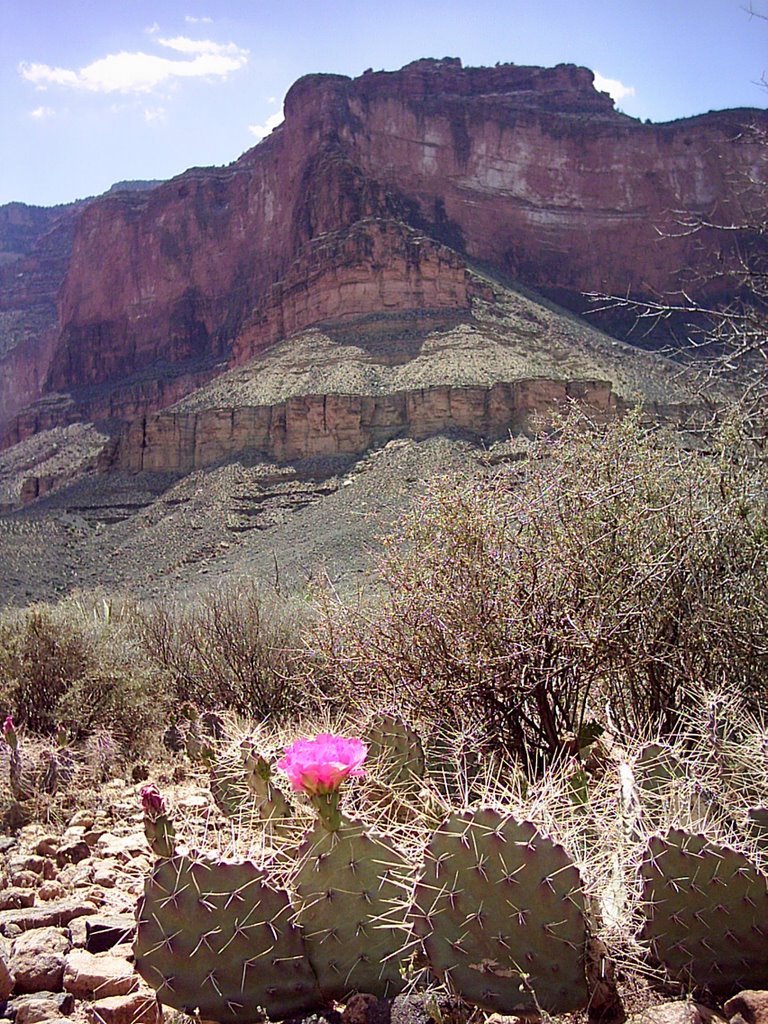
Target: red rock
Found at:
x=367, y=198
x=89, y=976
x=750, y=1005
x=322, y=425
x=138, y=1008
x=37, y=963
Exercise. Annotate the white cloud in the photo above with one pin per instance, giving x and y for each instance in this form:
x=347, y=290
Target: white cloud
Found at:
x=183, y=44
x=155, y=114
x=615, y=89
x=42, y=113
x=192, y=20
x=142, y=72
x=261, y=130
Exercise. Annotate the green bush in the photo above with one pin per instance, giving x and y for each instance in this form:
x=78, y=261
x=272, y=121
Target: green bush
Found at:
x=74, y=666
x=599, y=582
x=234, y=649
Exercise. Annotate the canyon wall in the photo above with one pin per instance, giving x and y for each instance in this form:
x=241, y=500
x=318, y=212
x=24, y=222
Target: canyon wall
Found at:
x=369, y=196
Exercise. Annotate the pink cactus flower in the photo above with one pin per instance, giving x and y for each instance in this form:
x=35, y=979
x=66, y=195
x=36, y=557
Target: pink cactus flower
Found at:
x=8, y=725
x=320, y=765
x=152, y=801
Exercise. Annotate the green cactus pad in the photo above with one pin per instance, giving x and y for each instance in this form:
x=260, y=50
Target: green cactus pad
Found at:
x=500, y=912
x=216, y=939
x=756, y=827
x=239, y=790
x=351, y=894
x=706, y=913
x=395, y=749
x=657, y=767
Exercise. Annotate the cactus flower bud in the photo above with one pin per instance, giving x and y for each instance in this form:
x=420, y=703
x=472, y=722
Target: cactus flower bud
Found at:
x=9, y=732
x=152, y=800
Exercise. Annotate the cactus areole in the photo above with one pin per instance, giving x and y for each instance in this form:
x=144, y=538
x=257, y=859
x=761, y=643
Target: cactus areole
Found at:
x=318, y=767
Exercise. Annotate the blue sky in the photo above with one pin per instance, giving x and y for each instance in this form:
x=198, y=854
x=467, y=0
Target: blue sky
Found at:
x=97, y=91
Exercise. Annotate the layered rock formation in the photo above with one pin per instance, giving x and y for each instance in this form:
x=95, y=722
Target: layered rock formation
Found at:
x=375, y=194
x=309, y=426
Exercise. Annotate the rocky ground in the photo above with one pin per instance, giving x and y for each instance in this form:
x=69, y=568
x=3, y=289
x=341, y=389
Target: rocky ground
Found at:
x=284, y=526
x=70, y=886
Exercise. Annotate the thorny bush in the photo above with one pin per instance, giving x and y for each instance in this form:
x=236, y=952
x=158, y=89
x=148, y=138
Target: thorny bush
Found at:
x=598, y=583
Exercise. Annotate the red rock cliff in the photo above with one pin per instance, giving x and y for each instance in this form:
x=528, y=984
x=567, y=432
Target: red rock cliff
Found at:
x=372, y=192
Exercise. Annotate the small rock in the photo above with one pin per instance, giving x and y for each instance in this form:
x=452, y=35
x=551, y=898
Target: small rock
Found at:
x=105, y=873
x=76, y=876
x=194, y=802
x=6, y=976
x=39, y=1006
x=47, y=846
x=420, y=1008
x=103, y=933
x=14, y=898
x=78, y=931
x=37, y=962
x=51, y=891
x=72, y=853
x=138, y=1008
x=72, y=835
x=751, y=1005
x=81, y=819
x=31, y=863
x=58, y=913
x=88, y=976
x=24, y=879
x=687, y=1012
x=7, y=843
x=364, y=1008
x=121, y=848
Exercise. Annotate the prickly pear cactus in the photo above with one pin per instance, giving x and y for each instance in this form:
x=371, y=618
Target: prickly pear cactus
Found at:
x=352, y=905
x=270, y=801
x=500, y=912
x=656, y=768
x=241, y=785
x=756, y=827
x=706, y=913
x=395, y=749
x=217, y=940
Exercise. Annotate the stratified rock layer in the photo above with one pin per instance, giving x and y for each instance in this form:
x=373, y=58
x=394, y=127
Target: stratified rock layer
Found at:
x=369, y=197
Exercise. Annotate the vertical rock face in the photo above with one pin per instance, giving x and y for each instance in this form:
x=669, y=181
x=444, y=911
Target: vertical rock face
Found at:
x=35, y=246
x=369, y=197
x=308, y=426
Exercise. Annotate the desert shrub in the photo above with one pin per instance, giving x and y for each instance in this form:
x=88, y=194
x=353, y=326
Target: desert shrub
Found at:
x=592, y=584
x=63, y=665
x=234, y=649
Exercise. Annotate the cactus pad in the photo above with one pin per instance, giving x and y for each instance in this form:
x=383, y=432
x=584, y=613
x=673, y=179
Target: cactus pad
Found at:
x=756, y=827
x=240, y=788
x=217, y=939
x=656, y=768
x=352, y=905
x=706, y=908
x=500, y=911
x=396, y=750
